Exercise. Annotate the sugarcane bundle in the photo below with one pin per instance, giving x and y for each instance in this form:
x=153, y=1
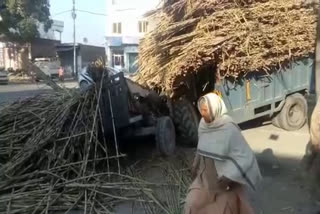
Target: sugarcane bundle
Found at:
x=54, y=156
x=234, y=37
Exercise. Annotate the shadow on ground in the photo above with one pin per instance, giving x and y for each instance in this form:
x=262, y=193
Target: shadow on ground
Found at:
x=285, y=188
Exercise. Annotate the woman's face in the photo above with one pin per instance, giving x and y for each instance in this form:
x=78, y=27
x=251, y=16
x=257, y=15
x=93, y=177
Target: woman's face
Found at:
x=205, y=113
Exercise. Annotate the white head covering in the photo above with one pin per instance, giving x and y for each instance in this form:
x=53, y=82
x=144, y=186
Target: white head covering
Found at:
x=215, y=105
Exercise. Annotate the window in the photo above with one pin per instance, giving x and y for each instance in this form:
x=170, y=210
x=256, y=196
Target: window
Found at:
x=143, y=26
x=117, y=28
x=118, y=60
x=114, y=27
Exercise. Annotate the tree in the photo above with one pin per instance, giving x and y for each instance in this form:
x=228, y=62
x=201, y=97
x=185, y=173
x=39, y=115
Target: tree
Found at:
x=20, y=18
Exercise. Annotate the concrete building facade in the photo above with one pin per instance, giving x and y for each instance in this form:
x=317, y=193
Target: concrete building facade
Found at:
x=14, y=55
x=85, y=54
x=126, y=25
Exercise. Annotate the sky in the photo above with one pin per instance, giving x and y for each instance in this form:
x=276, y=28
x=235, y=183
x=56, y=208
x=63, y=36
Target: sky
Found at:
x=88, y=25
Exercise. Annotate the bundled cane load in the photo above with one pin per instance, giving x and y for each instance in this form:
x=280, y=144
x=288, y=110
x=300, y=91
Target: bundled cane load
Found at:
x=232, y=36
x=56, y=157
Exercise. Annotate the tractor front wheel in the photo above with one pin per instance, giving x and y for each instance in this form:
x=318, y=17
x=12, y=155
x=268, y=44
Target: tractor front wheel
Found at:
x=165, y=136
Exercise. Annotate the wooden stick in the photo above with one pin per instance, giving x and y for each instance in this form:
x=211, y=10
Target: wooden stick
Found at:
x=9, y=204
x=85, y=201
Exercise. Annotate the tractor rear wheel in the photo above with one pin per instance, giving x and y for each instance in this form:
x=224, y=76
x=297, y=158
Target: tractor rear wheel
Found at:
x=186, y=120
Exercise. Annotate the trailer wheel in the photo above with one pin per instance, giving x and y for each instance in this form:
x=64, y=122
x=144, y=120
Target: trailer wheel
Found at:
x=276, y=120
x=293, y=114
x=165, y=136
x=186, y=120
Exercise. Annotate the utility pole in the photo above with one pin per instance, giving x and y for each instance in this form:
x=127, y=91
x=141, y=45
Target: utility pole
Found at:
x=74, y=16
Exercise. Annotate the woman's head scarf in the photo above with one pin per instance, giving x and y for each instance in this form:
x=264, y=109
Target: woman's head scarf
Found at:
x=215, y=105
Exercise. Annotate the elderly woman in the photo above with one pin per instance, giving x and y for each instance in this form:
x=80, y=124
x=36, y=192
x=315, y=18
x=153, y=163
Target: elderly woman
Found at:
x=224, y=164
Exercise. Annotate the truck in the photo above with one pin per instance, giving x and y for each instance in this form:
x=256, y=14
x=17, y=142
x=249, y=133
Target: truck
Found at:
x=279, y=95
x=50, y=66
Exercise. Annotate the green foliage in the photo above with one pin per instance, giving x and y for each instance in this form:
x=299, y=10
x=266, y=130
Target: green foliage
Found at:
x=20, y=18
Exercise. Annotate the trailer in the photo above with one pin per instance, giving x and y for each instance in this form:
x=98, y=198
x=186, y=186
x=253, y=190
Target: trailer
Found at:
x=278, y=95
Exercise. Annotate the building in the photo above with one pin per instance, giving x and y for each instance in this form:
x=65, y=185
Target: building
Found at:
x=126, y=25
x=85, y=55
x=14, y=55
x=54, y=33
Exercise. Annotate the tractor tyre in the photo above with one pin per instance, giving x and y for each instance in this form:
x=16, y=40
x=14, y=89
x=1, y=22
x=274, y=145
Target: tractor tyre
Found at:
x=186, y=120
x=165, y=136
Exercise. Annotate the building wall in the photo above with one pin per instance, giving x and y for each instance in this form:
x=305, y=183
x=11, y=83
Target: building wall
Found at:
x=85, y=55
x=53, y=33
x=90, y=54
x=129, y=52
x=13, y=56
x=128, y=13
x=44, y=48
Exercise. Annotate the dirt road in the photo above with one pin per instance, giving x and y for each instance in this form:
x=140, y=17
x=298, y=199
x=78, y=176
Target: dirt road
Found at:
x=13, y=92
x=284, y=189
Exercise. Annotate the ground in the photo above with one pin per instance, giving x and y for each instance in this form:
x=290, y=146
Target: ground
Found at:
x=284, y=189
x=279, y=153
x=13, y=92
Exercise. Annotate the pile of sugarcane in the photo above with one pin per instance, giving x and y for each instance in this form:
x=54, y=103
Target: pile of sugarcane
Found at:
x=54, y=156
x=232, y=36
x=175, y=178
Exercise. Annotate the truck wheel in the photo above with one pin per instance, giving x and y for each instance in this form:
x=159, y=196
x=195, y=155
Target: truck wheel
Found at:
x=165, y=136
x=276, y=120
x=186, y=120
x=293, y=114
